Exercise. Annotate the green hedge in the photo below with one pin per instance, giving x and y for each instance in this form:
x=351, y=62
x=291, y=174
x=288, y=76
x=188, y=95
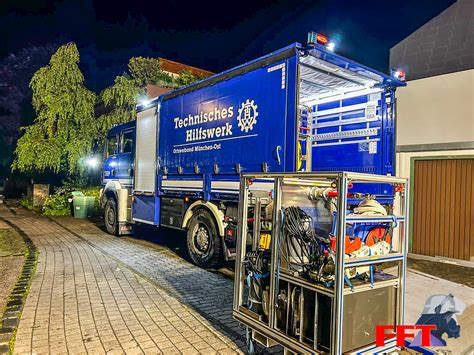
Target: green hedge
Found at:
x=58, y=203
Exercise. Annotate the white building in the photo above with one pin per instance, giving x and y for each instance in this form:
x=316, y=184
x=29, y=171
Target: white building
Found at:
x=435, y=132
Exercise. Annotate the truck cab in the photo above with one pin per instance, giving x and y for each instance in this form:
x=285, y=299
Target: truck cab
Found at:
x=117, y=177
x=119, y=155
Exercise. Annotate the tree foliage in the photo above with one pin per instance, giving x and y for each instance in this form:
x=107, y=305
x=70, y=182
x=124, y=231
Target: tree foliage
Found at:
x=187, y=77
x=64, y=126
x=127, y=90
x=148, y=71
x=123, y=96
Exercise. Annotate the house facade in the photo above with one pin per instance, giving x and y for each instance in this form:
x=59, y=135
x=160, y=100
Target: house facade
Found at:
x=435, y=133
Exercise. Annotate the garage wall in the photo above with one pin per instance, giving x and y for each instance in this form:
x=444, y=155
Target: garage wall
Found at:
x=403, y=160
x=442, y=45
x=437, y=109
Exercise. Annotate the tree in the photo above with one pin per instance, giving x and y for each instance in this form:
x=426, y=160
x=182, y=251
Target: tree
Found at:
x=64, y=127
x=123, y=96
x=186, y=77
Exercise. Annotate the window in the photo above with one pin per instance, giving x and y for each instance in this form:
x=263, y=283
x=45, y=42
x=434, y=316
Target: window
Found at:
x=127, y=142
x=111, y=146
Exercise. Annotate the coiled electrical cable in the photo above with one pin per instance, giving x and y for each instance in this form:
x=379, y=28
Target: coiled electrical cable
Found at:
x=301, y=241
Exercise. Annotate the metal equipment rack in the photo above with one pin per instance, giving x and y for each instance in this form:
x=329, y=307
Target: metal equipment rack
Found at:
x=305, y=137
x=331, y=317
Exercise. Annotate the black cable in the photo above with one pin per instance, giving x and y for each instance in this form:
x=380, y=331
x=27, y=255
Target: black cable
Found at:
x=256, y=265
x=300, y=235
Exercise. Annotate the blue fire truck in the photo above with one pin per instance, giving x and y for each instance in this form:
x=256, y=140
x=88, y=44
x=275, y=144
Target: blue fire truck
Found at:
x=296, y=109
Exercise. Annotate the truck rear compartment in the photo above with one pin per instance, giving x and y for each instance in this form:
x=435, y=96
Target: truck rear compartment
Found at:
x=349, y=116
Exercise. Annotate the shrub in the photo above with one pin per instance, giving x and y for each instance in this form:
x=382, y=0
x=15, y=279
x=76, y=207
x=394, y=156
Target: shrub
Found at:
x=58, y=204
x=28, y=204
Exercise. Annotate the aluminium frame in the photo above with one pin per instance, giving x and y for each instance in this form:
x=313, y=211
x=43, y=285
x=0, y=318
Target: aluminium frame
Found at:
x=269, y=332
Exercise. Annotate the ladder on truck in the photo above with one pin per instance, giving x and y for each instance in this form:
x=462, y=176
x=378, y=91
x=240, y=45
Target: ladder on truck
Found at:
x=304, y=137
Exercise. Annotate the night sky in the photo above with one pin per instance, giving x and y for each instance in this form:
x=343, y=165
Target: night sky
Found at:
x=214, y=35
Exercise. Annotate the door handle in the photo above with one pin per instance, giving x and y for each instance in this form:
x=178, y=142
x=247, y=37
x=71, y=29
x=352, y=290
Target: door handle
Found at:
x=278, y=148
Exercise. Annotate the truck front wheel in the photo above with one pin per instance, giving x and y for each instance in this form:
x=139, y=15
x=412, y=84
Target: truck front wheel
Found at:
x=110, y=217
x=203, y=240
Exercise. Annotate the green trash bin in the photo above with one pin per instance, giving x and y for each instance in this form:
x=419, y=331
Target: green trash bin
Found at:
x=83, y=206
x=90, y=201
x=76, y=193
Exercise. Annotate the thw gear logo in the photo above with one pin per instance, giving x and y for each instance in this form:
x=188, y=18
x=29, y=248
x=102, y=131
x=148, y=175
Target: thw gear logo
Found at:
x=247, y=115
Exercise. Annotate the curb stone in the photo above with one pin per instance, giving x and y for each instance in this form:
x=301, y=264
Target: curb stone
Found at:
x=11, y=316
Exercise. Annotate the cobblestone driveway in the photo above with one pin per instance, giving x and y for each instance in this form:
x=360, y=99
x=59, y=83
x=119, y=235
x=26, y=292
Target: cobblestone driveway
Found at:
x=96, y=293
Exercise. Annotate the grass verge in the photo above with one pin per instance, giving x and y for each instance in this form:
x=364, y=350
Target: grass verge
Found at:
x=11, y=315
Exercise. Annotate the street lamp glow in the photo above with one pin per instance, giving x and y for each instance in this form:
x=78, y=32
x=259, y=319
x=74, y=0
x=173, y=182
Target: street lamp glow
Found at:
x=331, y=46
x=92, y=162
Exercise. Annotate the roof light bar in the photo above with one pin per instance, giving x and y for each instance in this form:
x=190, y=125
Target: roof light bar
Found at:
x=398, y=74
x=315, y=38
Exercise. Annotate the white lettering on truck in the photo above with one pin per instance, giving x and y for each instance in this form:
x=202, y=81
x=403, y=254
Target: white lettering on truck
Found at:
x=246, y=117
x=197, y=134
x=204, y=117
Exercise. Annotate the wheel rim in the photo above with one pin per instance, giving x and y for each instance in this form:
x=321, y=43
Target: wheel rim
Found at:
x=201, y=239
x=111, y=217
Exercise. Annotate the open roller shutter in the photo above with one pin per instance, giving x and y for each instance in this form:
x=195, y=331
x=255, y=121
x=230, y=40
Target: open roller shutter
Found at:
x=145, y=175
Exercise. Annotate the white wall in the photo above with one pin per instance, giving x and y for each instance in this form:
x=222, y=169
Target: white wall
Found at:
x=403, y=159
x=437, y=109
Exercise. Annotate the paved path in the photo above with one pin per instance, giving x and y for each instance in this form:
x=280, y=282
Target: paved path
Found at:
x=210, y=294
x=83, y=300
x=94, y=293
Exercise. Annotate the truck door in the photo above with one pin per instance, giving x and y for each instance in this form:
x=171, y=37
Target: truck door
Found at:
x=125, y=157
x=351, y=116
x=110, y=158
x=356, y=134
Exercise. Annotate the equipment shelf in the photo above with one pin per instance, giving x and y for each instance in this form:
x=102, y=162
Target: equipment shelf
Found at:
x=296, y=307
x=374, y=219
x=374, y=259
x=307, y=284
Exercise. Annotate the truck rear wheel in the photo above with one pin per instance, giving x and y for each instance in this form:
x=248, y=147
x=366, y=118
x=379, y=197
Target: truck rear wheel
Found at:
x=110, y=217
x=203, y=241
